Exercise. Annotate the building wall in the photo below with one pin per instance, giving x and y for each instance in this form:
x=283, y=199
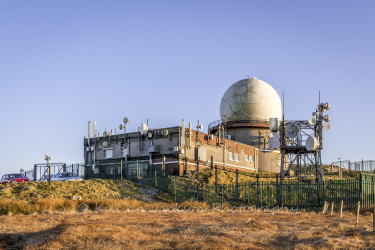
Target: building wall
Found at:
x=268, y=161
x=138, y=146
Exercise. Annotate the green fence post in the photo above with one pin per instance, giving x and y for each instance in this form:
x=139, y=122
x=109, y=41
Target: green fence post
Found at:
x=248, y=193
x=197, y=191
x=156, y=182
x=137, y=171
x=261, y=194
x=222, y=194
x=175, y=196
x=257, y=190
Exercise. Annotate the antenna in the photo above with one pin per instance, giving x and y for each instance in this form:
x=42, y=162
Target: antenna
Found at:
x=292, y=130
x=312, y=121
x=312, y=143
x=326, y=126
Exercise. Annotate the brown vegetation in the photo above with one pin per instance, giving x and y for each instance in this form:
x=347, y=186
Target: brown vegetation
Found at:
x=185, y=230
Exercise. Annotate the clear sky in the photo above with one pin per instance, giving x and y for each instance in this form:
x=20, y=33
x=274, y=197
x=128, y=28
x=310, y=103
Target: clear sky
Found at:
x=63, y=63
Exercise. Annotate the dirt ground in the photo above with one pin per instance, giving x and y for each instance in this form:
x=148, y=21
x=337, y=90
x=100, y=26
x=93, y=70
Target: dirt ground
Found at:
x=186, y=230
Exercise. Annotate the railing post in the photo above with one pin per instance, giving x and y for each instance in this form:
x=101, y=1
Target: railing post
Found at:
x=222, y=194
x=257, y=190
x=175, y=192
x=248, y=193
x=215, y=178
x=137, y=171
x=236, y=184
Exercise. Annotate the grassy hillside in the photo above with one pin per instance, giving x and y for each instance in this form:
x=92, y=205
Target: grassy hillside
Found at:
x=87, y=189
x=229, y=178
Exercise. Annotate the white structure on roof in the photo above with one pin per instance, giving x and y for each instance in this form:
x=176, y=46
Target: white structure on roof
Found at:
x=250, y=99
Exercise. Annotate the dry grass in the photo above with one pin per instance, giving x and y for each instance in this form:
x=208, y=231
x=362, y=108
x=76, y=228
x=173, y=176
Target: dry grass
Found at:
x=229, y=178
x=197, y=230
x=87, y=189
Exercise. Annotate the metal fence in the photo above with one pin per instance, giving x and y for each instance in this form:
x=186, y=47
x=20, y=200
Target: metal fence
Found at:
x=40, y=170
x=364, y=165
x=305, y=194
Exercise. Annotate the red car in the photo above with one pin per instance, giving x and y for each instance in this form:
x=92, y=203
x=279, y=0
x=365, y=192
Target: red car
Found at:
x=10, y=178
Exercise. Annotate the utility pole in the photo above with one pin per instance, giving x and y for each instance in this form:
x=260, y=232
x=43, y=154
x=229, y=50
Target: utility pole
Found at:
x=47, y=158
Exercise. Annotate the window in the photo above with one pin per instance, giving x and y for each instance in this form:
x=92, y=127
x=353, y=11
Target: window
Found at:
x=251, y=158
x=246, y=157
x=124, y=152
x=231, y=156
x=108, y=153
x=109, y=170
x=237, y=157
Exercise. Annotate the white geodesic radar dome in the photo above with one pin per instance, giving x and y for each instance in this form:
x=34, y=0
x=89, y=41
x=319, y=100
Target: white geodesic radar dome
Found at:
x=250, y=99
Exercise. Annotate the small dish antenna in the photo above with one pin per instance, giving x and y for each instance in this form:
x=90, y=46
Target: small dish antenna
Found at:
x=275, y=136
x=313, y=113
x=292, y=130
x=164, y=132
x=105, y=144
x=105, y=134
x=327, y=118
x=273, y=144
x=200, y=126
x=312, y=121
x=274, y=124
x=327, y=106
x=326, y=126
x=126, y=120
x=312, y=143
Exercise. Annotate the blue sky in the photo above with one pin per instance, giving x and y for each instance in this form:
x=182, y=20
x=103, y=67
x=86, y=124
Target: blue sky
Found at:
x=63, y=63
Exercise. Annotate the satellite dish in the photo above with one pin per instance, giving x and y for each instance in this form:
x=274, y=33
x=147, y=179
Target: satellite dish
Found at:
x=327, y=118
x=105, y=144
x=274, y=124
x=276, y=136
x=312, y=121
x=120, y=127
x=164, y=132
x=312, y=143
x=292, y=130
x=326, y=126
x=273, y=144
x=327, y=106
x=126, y=120
x=105, y=134
x=201, y=127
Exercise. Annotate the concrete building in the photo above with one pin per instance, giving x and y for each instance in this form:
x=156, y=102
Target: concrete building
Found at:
x=238, y=141
x=178, y=149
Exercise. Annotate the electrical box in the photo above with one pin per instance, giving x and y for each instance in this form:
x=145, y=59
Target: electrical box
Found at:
x=200, y=153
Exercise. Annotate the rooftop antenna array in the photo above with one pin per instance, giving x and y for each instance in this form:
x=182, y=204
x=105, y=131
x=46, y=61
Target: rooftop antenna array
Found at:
x=123, y=126
x=301, y=143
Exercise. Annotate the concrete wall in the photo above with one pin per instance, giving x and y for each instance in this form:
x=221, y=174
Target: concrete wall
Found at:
x=138, y=145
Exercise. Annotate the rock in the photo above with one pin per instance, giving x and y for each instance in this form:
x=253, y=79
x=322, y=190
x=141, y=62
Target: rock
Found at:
x=76, y=197
x=28, y=187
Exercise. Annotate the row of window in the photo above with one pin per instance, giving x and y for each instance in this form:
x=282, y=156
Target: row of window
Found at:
x=108, y=153
x=236, y=157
